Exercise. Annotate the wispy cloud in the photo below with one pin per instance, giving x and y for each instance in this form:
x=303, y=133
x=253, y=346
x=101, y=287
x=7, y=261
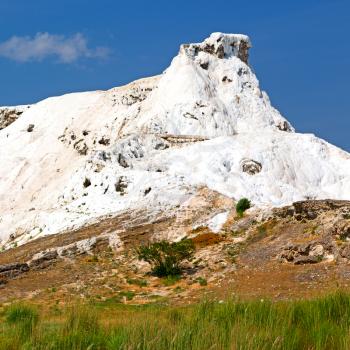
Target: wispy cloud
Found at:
x=45, y=45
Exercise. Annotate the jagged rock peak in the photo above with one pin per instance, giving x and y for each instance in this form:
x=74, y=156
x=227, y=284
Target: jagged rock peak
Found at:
x=208, y=90
x=221, y=45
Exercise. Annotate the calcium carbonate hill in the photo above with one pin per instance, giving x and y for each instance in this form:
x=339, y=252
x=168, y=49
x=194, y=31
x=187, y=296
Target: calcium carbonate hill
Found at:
x=151, y=145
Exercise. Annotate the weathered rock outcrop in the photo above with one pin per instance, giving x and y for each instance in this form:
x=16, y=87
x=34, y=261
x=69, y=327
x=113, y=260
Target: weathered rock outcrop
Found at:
x=251, y=166
x=12, y=270
x=9, y=115
x=221, y=46
x=326, y=234
x=309, y=209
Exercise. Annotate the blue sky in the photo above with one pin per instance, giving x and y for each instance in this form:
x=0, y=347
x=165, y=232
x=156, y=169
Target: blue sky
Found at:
x=301, y=49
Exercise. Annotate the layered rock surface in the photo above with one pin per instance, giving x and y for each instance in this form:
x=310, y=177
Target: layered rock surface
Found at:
x=205, y=122
x=8, y=115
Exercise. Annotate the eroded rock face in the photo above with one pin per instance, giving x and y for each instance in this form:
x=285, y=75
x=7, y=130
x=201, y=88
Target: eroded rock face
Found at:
x=49, y=257
x=341, y=229
x=136, y=94
x=300, y=254
x=8, y=116
x=222, y=45
x=13, y=270
x=243, y=51
x=325, y=234
x=310, y=209
x=121, y=185
x=43, y=259
x=285, y=126
x=251, y=166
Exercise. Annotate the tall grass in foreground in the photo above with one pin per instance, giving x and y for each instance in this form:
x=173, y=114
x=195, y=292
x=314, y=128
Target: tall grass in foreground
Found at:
x=314, y=324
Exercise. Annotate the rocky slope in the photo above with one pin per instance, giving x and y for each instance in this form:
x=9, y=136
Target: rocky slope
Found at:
x=147, y=149
x=301, y=250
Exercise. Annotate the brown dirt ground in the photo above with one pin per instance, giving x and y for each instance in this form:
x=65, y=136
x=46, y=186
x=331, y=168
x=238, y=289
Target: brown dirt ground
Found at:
x=253, y=273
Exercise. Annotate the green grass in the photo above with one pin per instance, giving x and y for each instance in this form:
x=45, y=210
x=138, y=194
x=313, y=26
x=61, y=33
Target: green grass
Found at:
x=129, y=295
x=170, y=280
x=313, y=324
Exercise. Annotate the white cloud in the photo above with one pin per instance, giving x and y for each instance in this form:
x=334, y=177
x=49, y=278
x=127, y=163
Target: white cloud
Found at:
x=45, y=45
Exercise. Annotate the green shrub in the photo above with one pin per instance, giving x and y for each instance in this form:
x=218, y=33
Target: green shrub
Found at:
x=242, y=205
x=165, y=257
x=202, y=281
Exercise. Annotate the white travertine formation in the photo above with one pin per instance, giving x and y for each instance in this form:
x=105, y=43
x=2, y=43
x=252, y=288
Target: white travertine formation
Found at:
x=204, y=122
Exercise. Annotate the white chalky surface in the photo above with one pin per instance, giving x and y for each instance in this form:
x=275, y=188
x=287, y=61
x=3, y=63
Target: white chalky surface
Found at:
x=99, y=153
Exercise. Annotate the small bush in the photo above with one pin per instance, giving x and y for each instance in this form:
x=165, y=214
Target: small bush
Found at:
x=242, y=205
x=202, y=281
x=165, y=257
